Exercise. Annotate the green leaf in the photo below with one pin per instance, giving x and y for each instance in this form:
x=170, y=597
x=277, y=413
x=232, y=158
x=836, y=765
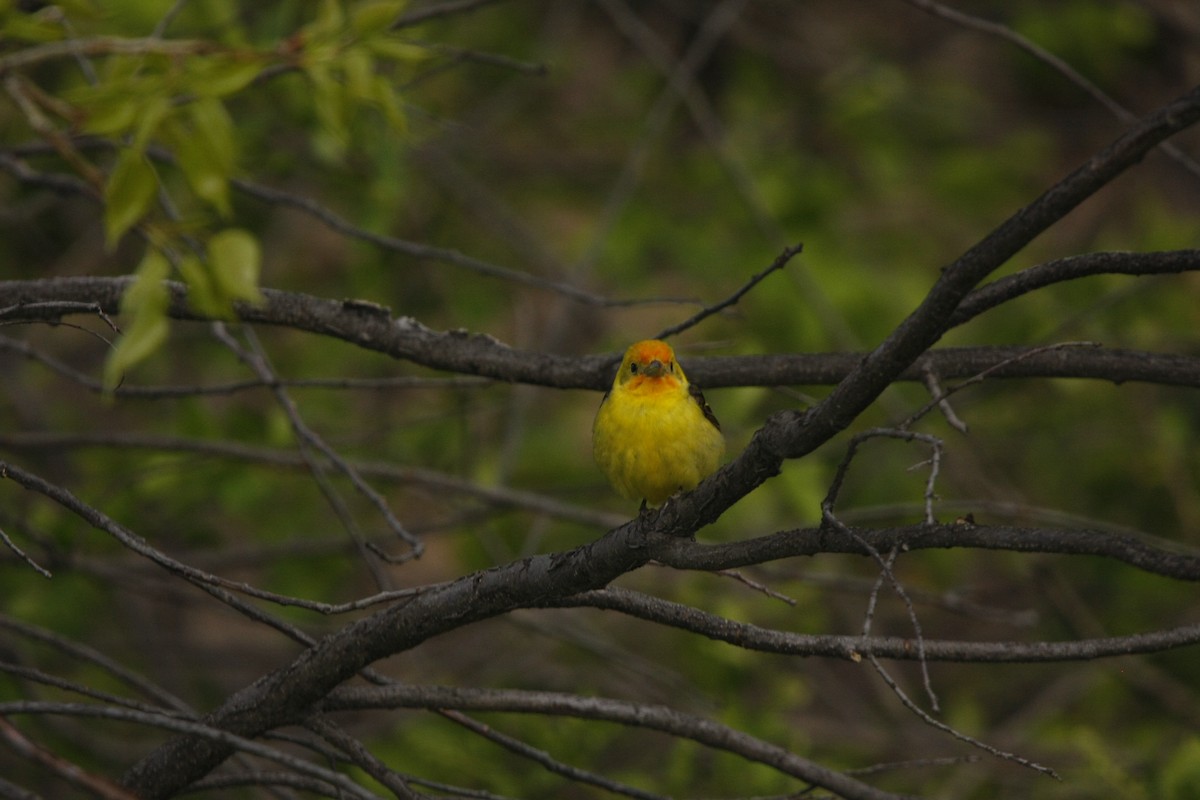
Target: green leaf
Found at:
x=223, y=75
x=328, y=24
x=145, y=301
x=202, y=294
x=206, y=151
x=329, y=102
x=358, y=67
x=397, y=49
x=112, y=105
x=110, y=118
x=127, y=194
x=389, y=100
x=151, y=114
x=234, y=260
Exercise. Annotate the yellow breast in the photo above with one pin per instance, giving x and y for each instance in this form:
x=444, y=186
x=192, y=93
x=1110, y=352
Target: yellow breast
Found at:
x=653, y=443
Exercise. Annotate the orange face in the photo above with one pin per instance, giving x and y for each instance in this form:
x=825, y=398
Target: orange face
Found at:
x=650, y=365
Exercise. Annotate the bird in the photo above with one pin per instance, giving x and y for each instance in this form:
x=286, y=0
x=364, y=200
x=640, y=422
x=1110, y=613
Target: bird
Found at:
x=654, y=435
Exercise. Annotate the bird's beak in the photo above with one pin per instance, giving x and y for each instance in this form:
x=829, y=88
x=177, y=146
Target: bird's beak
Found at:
x=653, y=369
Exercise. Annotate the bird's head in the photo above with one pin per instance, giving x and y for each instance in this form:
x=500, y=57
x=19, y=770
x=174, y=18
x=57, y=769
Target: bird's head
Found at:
x=649, y=365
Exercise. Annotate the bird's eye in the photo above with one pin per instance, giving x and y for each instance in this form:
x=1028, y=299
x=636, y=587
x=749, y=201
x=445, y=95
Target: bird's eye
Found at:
x=671, y=366
x=633, y=368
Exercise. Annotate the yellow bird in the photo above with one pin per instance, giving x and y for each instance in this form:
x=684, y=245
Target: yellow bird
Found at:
x=654, y=435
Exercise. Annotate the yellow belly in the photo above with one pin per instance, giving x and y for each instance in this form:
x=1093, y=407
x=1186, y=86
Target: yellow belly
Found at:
x=652, y=447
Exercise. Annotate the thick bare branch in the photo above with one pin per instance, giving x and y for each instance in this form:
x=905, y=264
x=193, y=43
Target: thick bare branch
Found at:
x=373, y=328
x=1179, y=565
x=1073, y=268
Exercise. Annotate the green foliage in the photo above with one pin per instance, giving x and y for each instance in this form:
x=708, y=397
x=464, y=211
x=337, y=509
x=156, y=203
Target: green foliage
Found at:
x=235, y=260
x=205, y=147
x=128, y=193
x=164, y=104
x=145, y=303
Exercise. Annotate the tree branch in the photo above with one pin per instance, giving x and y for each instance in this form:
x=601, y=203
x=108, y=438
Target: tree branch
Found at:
x=35, y=707
x=499, y=496
x=854, y=647
x=404, y=338
x=1073, y=268
x=544, y=759
x=684, y=554
x=642, y=715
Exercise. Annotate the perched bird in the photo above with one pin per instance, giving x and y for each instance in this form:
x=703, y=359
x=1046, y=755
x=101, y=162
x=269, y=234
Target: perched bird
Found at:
x=654, y=435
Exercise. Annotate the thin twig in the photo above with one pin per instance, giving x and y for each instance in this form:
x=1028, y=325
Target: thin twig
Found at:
x=943, y=404
x=361, y=757
x=95, y=658
x=25, y=95
x=708, y=36
x=900, y=432
x=947, y=761
x=257, y=361
x=164, y=22
x=940, y=397
x=203, y=580
x=419, y=476
x=757, y=586
x=424, y=251
x=463, y=55
x=60, y=183
x=885, y=566
x=95, y=386
x=1060, y=66
x=941, y=726
x=308, y=442
x=21, y=554
x=450, y=702
x=37, y=676
x=951, y=600
x=66, y=770
x=544, y=759
x=42, y=708
x=779, y=263
x=419, y=15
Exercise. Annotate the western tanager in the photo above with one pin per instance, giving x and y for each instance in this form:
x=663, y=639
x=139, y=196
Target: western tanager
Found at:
x=654, y=435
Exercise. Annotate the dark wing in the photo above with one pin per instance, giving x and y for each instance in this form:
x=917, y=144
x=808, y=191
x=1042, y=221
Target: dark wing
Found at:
x=698, y=396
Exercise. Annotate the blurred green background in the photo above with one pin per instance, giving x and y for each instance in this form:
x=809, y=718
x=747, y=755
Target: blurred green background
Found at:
x=552, y=140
